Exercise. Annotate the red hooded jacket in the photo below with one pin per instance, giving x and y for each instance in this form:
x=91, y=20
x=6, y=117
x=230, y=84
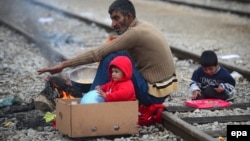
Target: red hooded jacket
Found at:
x=123, y=89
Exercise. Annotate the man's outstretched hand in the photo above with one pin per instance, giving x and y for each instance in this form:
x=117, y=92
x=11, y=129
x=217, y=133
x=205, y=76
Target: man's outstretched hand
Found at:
x=52, y=70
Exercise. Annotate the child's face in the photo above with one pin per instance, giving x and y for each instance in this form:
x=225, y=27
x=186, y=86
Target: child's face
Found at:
x=210, y=70
x=117, y=73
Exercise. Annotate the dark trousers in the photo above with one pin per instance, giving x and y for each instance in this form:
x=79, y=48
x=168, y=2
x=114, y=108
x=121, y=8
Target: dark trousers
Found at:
x=140, y=84
x=210, y=92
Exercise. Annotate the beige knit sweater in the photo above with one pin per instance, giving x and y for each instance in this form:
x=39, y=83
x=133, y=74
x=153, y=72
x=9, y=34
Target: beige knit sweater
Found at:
x=145, y=44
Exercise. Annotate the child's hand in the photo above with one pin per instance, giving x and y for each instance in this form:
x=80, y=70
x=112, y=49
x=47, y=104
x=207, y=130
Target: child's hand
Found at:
x=102, y=94
x=98, y=87
x=219, y=89
x=196, y=94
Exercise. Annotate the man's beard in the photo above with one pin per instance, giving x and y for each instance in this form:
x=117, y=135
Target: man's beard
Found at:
x=124, y=27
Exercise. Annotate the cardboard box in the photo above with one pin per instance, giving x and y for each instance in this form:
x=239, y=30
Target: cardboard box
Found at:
x=101, y=119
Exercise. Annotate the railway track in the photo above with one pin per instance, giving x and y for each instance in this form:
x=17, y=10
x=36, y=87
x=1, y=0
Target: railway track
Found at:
x=181, y=127
x=170, y=118
x=215, y=5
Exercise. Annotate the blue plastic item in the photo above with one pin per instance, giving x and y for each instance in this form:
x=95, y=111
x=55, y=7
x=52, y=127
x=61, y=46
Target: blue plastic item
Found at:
x=91, y=97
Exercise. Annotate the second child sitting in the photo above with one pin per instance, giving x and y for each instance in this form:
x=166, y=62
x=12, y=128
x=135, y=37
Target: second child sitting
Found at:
x=120, y=87
x=211, y=80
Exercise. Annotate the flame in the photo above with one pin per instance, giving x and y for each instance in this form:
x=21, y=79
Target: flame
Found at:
x=65, y=95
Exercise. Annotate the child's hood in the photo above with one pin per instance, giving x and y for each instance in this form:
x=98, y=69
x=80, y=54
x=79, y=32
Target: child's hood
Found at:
x=124, y=64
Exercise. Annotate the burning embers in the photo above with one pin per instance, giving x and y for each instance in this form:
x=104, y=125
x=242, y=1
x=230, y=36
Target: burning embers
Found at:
x=25, y=117
x=55, y=87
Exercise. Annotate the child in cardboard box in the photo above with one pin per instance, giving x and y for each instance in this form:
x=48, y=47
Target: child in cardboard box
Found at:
x=120, y=87
x=211, y=80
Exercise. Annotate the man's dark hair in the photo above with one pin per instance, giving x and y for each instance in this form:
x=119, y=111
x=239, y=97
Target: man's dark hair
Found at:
x=124, y=6
x=208, y=58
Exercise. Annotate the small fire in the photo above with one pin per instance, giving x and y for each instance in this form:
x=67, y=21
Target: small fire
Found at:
x=65, y=95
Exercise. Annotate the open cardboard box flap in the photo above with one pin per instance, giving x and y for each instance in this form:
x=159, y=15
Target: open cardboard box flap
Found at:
x=101, y=119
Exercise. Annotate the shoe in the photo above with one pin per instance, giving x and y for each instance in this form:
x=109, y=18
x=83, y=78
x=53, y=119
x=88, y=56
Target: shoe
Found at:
x=231, y=96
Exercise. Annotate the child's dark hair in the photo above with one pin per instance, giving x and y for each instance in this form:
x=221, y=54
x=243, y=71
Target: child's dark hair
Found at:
x=124, y=6
x=208, y=58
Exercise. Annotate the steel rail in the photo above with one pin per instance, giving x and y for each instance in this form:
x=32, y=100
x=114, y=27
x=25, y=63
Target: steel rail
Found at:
x=76, y=16
x=46, y=50
x=183, y=129
x=213, y=8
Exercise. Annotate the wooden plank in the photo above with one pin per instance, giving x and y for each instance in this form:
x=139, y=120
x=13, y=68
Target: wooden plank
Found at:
x=216, y=133
x=221, y=119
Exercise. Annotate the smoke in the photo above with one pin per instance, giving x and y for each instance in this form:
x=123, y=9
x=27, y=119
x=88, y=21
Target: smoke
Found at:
x=22, y=14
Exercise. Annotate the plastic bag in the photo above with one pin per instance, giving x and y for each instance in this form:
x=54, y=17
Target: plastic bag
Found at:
x=150, y=114
x=91, y=97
